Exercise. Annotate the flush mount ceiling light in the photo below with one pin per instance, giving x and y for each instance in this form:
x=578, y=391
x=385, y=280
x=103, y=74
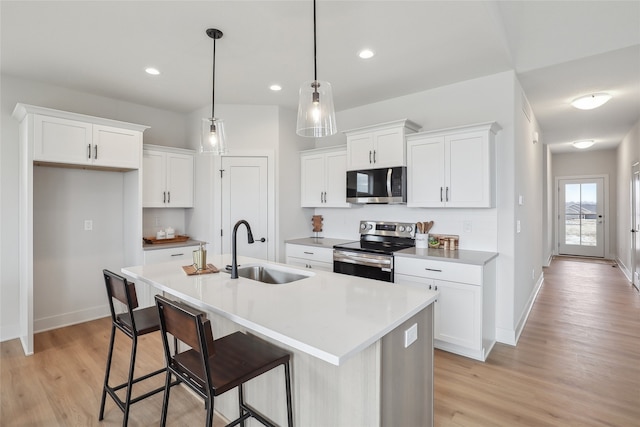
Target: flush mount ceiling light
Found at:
x=152, y=71
x=366, y=54
x=583, y=144
x=316, y=116
x=275, y=88
x=212, y=140
x=592, y=101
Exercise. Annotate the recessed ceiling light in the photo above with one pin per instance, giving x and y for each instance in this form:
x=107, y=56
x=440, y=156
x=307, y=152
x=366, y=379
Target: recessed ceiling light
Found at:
x=366, y=54
x=275, y=88
x=152, y=71
x=590, y=102
x=583, y=144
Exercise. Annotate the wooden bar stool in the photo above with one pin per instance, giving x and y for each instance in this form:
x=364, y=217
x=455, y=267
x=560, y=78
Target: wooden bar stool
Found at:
x=212, y=367
x=133, y=323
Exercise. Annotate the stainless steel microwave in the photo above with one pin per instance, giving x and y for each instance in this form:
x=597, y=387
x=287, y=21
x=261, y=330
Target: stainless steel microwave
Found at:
x=385, y=185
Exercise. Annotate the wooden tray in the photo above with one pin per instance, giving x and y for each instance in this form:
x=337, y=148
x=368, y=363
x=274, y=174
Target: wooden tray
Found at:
x=192, y=271
x=154, y=241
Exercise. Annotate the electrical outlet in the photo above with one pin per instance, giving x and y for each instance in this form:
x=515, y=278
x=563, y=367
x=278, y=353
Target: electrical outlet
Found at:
x=466, y=226
x=157, y=220
x=410, y=335
x=517, y=226
x=88, y=225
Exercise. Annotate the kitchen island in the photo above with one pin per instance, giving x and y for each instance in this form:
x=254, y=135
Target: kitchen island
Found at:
x=348, y=336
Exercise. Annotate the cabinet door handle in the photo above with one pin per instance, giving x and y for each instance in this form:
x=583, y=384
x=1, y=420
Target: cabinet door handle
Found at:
x=447, y=194
x=433, y=269
x=374, y=156
x=429, y=287
x=441, y=195
x=177, y=254
x=164, y=197
x=369, y=156
x=325, y=197
x=308, y=253
x=89, y=151
x=168, y=196
x=95, y=151
x=436, y=287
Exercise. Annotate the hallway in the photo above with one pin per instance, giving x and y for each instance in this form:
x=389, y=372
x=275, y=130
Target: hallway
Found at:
x=577, y=362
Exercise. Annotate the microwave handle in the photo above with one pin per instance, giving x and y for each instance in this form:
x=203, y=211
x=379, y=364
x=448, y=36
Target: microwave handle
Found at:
x=389, y=173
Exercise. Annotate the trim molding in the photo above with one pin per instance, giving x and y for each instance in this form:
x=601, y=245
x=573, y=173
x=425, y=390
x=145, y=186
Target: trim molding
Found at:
x=71, y=318
x=511, y=337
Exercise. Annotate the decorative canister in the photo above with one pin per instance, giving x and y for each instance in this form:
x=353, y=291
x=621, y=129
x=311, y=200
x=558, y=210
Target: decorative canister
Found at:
x=422, y=241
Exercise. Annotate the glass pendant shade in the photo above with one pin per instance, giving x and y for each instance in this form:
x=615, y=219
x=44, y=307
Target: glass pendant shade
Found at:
x=316, y=115
x=212, y=140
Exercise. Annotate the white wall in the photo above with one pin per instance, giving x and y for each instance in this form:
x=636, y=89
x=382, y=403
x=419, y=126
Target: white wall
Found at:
x=167, y=128
x=628, y=152
x=250, y=130
x=528, y=186
x=589, y=163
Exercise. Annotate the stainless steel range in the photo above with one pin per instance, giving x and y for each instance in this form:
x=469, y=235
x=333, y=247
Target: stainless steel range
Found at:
x=372, y=255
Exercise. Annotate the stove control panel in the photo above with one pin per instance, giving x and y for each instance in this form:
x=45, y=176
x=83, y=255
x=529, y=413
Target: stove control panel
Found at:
x=383, y=228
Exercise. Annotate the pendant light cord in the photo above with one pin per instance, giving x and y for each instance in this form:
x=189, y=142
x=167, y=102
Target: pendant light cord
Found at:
x=315, y=61
x=213, y=88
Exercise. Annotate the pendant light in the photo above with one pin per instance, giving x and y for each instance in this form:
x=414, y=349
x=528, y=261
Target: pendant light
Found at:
x=212, y=140
x=316, y=116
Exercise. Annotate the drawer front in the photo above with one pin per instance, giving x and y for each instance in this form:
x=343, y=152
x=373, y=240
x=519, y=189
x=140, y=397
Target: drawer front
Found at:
x=164, y=255
x=442, y=270
x=312, y=253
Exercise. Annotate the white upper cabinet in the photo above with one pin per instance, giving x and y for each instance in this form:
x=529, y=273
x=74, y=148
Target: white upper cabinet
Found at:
x=452, y=168
x=378, y=146
x=323, y=178
x=167, y=177
x=65, y=140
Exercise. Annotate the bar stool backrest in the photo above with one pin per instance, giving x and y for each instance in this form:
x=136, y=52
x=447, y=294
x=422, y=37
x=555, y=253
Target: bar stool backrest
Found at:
x=188, y=326
x=124, y=291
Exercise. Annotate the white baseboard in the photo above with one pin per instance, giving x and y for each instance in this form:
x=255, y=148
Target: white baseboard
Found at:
x=9, y=332
x=71, y=318
x=624, y=269
x=511, y=336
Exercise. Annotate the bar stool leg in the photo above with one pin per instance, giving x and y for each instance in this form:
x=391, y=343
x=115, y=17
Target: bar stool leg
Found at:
x=287, y=376
x=132, y=364
x=107, y=372
x=241, y=404
x=165, y=401
x=209, y=422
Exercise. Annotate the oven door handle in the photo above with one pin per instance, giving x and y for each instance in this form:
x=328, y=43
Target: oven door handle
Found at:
x=370, y=261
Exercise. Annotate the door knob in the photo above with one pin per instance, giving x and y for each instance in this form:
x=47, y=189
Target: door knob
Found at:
x=262, y=240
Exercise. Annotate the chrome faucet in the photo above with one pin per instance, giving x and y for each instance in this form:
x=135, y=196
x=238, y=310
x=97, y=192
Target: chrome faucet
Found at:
x=234, y=255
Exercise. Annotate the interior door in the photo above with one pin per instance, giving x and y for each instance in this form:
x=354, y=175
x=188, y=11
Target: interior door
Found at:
x=581, y=217
x=635, y=225
x=245, y=196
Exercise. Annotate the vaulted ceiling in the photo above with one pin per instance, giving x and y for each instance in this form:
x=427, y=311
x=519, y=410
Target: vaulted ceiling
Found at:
x=559, y=50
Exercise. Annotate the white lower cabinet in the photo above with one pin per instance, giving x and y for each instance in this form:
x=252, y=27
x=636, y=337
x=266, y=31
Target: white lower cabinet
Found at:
x=464, y=316
x=146, y=293
x=311, y=257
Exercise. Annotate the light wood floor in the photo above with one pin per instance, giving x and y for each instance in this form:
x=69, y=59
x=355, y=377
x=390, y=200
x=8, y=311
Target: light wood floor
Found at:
x=577, y=364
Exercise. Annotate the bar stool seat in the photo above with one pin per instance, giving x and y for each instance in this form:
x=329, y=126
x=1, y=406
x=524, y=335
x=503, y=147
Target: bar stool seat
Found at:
x=133, y=323
x=212, y=367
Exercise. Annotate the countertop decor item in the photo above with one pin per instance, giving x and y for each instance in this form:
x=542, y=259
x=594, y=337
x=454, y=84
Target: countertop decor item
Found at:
x=213, y=140
x=316, y=115
x=154, y=240
x=316, y=220
x=191, y=270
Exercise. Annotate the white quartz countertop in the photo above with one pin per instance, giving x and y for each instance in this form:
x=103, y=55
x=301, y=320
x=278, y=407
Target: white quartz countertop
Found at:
x=462, y=256
x=327, y=315
x=325, y=242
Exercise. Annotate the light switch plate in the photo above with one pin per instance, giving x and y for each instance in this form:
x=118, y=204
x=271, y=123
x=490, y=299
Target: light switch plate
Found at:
x=88, y=225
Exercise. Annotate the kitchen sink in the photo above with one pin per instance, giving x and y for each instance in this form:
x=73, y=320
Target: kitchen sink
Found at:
x=270, y=274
